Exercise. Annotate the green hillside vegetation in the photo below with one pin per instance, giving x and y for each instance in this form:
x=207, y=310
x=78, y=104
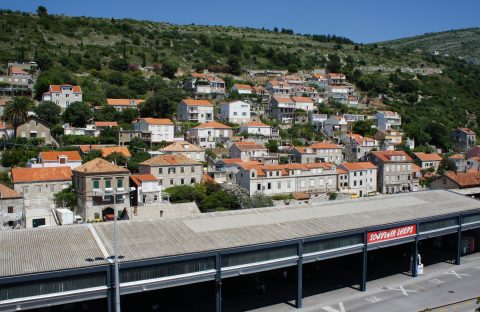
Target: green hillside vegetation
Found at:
x=463, y=43
x=104, y=57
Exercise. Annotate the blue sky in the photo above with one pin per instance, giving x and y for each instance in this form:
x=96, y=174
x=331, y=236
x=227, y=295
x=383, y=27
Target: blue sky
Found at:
x=362, y=21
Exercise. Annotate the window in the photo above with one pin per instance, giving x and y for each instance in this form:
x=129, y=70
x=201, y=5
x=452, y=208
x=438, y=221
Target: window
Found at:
x=171, y=170
x=108, y=183
x=312, y=182
x=52, y=188
x=192, y=169
x=302, y=183
x=192, y=181
x=182, y=170
x=269, y=186
x=10, y=209
x=354, y=183
x=39, y=188
x=259, y=187
x=279, y=185
x=171, y=181
x=289, y=184
x=96, y=184
x=160, y=170
x=119, y=183
x=182, y=181
x=253, y=174
x=160, y=182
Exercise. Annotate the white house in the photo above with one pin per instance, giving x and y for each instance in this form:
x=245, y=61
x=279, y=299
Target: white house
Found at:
x=283, y=109
x=283, y=179
x=206, y=84
x=335, y=126
x=161, y=129
x=319, y=80
x=336, y=79
x=319, y=152
x=303, y=103
x=145, y=189
x=63, y=95
x=428, y=160
x=195, y=110
x=251, y=151
x=242, y=89
x=279, y=88
x=185, y=148
x=338, y=93
x=362, y=177
x=122, y=104
x=208, y=134
x=48, y=159
x=387, y=120
x=256, y=127
x=235, y=112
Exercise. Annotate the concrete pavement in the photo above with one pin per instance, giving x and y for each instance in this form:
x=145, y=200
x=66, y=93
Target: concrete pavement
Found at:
x=441, y=284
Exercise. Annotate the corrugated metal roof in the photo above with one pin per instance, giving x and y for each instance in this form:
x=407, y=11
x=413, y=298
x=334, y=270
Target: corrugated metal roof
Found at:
x=31, y=250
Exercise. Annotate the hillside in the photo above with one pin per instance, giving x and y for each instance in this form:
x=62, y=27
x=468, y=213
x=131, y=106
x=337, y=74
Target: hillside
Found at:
x=463, y=43
x=104, y=56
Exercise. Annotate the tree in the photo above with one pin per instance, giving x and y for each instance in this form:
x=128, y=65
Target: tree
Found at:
x=180, y=193
x=363, y=127
x=49, y=112
x=42, y=11
x=77, y=114
x=158, y=106
x=169, y=69
x=217, y=201
x=66, y=198
x=117, y=158
x=334, y=64
x=119, y=64
x=272, y=146
x=234, y=64
x=108, y=135
x=16, y=112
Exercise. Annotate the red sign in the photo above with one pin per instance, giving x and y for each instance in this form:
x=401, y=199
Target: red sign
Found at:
x=385, y=235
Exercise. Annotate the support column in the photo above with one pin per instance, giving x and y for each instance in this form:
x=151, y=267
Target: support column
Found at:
x=459, y=242
x=218, y=283
x=414, y=264
x=363, y=277
x=298, y=298
x=110, y=294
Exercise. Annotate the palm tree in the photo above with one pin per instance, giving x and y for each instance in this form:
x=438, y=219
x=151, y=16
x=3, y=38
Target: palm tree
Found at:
x=16, y=112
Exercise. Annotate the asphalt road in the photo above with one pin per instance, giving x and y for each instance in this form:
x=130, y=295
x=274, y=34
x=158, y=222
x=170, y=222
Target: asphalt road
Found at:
x=440, y=288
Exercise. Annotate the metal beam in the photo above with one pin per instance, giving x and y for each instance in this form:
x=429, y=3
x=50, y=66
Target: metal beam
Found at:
x=459, y=242
x=414, y=264
x=218, y=283
x=363, y=277
x=299, y=295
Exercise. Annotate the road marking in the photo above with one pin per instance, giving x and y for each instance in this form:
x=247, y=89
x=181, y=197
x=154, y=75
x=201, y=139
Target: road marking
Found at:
x=458, y=275
x=403, y=290
x=477, y=267
x=436, y=281
x=374, y=299
x=330, y=309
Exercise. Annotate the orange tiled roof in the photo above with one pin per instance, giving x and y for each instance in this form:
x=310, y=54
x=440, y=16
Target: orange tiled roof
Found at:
x=85, y=148
x=6, y=192
x=254, y=124
x=192, y=102
x=17, y=71
x=157, y=121
x=55, y=155
x=100, y=165
x=428, y=157
x=246, y=146
x=358, y=166
x=302, y=99
x=139, y=178
x=465, y=179
x=212, y=125
x=116, y=149
x=180, y=147
x=283, y=99
x=466, y=130
x=22, y=175
x=385, y=155
x=58, y=88
x=321, y=145
x=106, y=124
x=457, y=156
x=243, y=87
x=165, y=160
x=124, y=102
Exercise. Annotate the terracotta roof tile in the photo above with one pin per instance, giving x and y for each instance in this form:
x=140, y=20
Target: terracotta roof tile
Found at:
x=465, y=179
x=139, y=178
x=386, y=155
x=166, y=160
x=321, y=145
x=457, y=156
x=58, y=88
x=247, y=146
x=116, y=149
x=106, y=124
x=192, y=102
x=212, y=125
x=157, y=121
x=428, y=157
x=182, y=146
x=99, y=165
x=358, y=166
x=243, y=87
x=55, y=155
x=21, y=175
x=302, y=99
x=254, y=124
x=6, y=192
x=124, y=102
